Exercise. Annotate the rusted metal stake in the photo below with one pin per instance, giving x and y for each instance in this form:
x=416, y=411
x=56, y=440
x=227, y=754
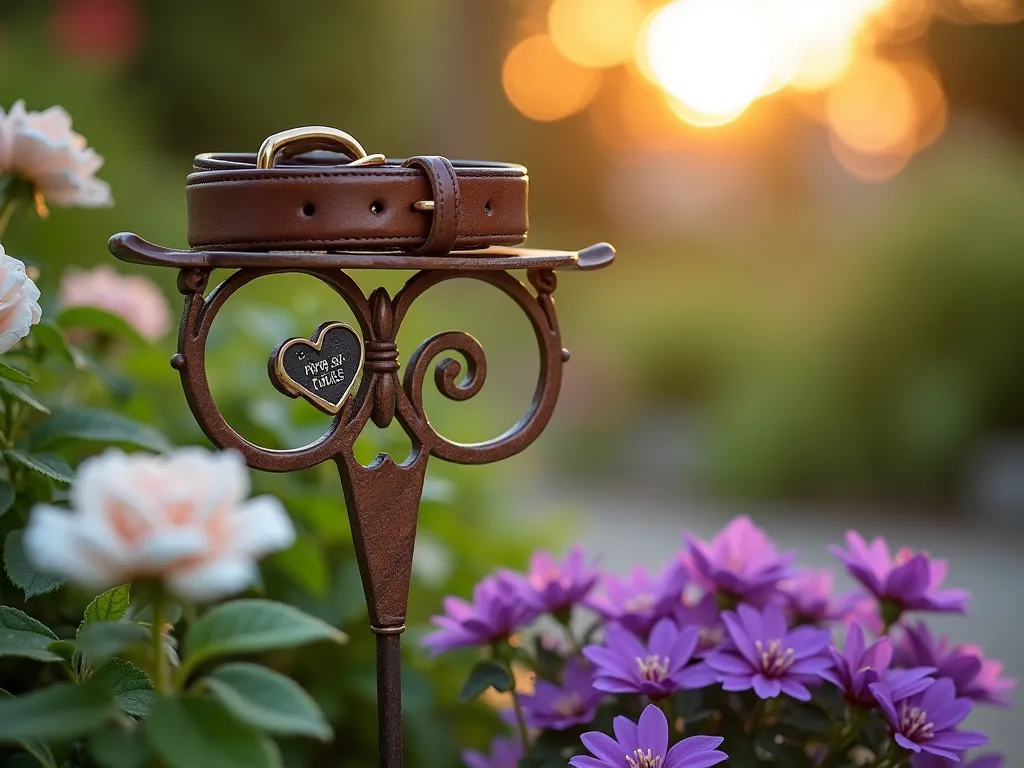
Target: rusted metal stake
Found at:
x=382, y=498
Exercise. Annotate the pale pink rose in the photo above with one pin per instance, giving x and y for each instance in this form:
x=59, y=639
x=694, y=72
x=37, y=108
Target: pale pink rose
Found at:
x=135, y=299
x=41, y=148
x=181, y=518
x=19, y=302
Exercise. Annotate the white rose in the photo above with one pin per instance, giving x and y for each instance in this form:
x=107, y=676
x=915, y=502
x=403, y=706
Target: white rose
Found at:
x=42, y=149
x=19, y=302
x=181, y=518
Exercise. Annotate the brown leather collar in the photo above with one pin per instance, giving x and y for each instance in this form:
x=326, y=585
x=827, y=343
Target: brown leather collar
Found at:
x=320, y=201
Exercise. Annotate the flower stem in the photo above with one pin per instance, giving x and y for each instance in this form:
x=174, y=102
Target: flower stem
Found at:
x=6, y=210
x=161, y=676
x=518, y=707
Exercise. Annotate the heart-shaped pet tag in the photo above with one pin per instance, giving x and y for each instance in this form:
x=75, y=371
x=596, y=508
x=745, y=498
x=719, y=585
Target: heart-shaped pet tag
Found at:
x=323, y=368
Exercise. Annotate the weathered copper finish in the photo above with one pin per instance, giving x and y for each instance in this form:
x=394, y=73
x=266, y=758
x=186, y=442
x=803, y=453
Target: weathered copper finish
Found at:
x=383, y=497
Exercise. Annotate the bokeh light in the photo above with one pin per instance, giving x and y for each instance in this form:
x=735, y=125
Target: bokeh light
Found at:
x=872, y=110
x=543, y=84
x=712, y=59
x=595, y=33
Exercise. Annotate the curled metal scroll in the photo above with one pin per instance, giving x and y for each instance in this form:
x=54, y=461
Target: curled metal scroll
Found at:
x=381, y=396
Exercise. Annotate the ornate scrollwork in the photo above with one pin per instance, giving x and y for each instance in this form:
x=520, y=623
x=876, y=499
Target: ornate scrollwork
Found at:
x=381, y=396
x=540, y=311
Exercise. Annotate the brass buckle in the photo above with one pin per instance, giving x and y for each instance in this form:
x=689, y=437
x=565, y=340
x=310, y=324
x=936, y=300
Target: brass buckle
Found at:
x=297, y=140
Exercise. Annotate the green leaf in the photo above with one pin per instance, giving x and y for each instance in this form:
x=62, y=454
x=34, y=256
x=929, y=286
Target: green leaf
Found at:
x=53, y=467
x=20, y=394
x=12, y=373
x=21, y=572
x=51, y=338
x=23, y=636
x=267, y=700
x=120, y=748
x=97, y=320
x=133, y=692
x=95, y=426
x=104, y=639
x=6, y=496
x=59, y=712
x=109, y=606
x=248, y=626
x=306, y=564
x=63, y=648
x=486, y=674
x=35, y=747
x=189, y=731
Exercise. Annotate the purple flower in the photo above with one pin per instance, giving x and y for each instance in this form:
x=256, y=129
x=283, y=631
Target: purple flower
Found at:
x=505, y=753
x=740, y=563
x=560, y=707
x=707, y=618
x=924, y=760
x=862, y=608
x=926, y=721
x=767, y=656
x=560, y=586
x=857, y=667
x=809, y=597
x=639, y=601
x=974, y=676
x=644, y=744
x=909, y=581
x=501, y=604
x=656, y=669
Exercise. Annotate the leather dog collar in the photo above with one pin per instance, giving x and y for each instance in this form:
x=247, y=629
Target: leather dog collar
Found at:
x=340, y=198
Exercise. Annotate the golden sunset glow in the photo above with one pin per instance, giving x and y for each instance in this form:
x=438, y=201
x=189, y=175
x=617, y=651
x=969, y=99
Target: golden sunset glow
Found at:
x=595, y=33
x=712, y=59
x=544, y=85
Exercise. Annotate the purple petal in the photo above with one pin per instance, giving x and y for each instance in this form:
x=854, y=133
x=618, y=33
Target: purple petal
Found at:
x=585, y=761
x=766, y=688
x=795, y=689
x=773, y=623
x=683, y=648
x=617, y=685
x=737, y=683
x=883, y=695
x=652, y=730
x=879, y=655
x=906, y=743
x=695, y=744
x=752, y=622
x=815, y=665
x=949, y=715
x=909, y=579
x=958, y=741
x=623, y=641
x=663, y=638
x=744, y=643
x=603, y=746
x=728, y=663
x=854, y=648
x=808, y=641
x=937, y=696
x=625, y=734
x=695, y=676
x=940, y=752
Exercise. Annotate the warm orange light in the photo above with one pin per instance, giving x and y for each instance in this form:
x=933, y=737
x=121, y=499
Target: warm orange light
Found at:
x=872, y=110
x=714, y=57
x=872, y=168
x=595, y=33
x=543, y=84
x=826, y=36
